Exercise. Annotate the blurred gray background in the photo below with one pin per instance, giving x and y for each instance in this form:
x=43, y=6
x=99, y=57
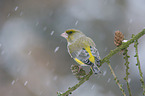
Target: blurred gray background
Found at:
x=33, y=57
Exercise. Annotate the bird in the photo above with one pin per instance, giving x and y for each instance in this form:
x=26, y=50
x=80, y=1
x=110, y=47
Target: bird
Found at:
x=82, y=49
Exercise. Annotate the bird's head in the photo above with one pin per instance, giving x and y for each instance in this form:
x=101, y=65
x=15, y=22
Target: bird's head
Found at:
x=72, y=34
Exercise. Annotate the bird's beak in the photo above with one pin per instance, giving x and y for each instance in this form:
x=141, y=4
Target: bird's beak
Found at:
x=65, y=35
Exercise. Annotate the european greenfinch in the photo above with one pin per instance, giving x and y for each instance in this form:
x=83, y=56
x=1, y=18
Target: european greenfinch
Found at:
x=82, y=49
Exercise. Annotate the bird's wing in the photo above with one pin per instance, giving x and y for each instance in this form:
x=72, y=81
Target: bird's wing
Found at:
x=95, y=53
x=83, y=51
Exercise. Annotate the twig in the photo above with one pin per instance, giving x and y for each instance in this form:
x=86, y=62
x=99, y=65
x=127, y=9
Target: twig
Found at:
x=123, y=46
x=115, y=78
x=127, y=68
x=112, y=52
x=69, y=91
x=139, y=67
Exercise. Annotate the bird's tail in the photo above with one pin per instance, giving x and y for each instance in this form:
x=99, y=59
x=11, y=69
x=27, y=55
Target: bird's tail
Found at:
x=95, y=69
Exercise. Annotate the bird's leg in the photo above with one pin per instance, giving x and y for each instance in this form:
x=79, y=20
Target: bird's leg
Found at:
x=80, y=67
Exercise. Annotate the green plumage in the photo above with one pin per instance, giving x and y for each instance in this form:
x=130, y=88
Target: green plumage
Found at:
x=80, y=43
x=82, y=49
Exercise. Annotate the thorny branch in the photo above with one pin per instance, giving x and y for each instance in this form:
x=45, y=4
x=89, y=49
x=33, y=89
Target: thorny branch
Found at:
x=105, y=59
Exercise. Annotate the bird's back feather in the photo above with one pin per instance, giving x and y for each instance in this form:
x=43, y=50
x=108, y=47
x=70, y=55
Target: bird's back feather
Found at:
x=83, y=51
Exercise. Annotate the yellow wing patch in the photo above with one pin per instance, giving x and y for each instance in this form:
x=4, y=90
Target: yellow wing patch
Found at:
x=92, y=58
x=79, y=62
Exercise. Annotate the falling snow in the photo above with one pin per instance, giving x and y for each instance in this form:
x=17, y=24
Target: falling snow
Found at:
x=108, y=80
x=37, y=23
x=45, y=28
x=8, y=15
x=104, y=73
x=21, y=13
x=29, y=53
x=130, y=21
x=76, y=23
x=56, y=49
x=13, y=82
x=129, y=80
x=26, y=82
x=55, y=78
x=16, y=8
x=93, y=87
x=52, y=33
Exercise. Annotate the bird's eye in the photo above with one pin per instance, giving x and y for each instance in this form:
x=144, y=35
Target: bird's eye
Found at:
x=70, y=32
